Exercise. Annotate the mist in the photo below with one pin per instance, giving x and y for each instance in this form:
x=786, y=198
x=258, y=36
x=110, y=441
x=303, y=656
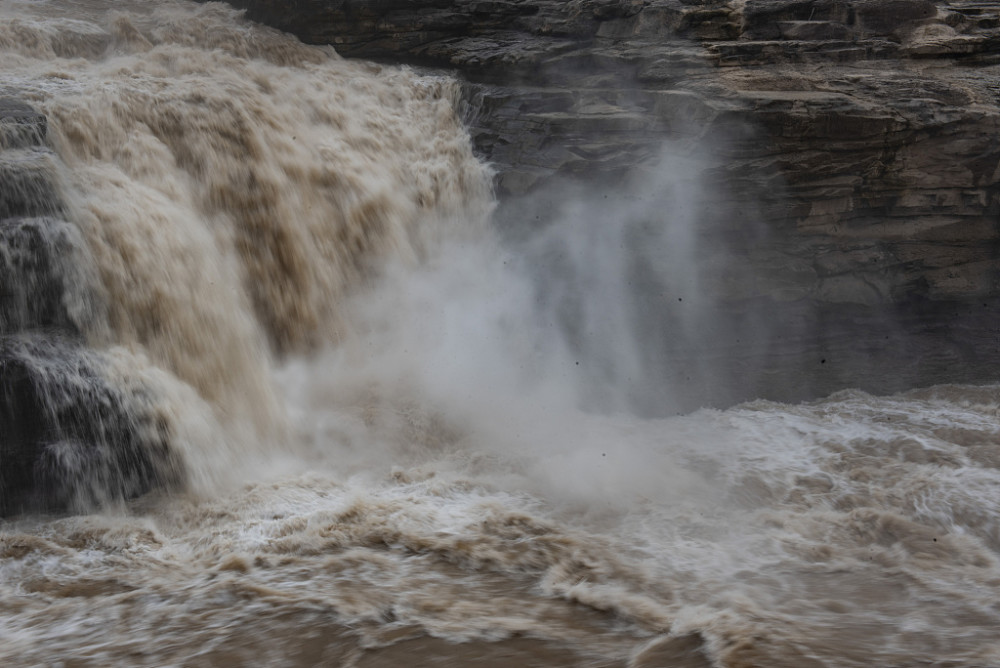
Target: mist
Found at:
x=534, y=344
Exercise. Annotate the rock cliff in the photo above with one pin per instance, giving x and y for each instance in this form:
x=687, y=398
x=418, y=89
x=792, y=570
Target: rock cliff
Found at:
x=850, y=155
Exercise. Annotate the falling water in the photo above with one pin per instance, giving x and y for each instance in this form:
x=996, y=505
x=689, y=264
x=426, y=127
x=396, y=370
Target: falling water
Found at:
x=305, y=408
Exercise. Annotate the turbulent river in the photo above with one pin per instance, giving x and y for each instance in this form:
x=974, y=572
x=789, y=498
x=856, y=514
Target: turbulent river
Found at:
x=386, y=451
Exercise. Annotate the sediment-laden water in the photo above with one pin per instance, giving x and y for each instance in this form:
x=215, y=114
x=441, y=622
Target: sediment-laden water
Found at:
x=392, y=439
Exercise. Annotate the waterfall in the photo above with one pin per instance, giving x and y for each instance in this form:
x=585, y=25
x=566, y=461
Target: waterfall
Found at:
x=274, y=390
x=208, y=195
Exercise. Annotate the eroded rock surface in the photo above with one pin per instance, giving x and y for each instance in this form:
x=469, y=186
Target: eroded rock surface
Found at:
x=851, y=150
x=74, y=435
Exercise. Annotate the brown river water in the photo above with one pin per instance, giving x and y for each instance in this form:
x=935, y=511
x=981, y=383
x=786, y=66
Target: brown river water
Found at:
x=384, y=457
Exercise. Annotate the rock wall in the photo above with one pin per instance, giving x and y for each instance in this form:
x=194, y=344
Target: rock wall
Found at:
x=853, y=152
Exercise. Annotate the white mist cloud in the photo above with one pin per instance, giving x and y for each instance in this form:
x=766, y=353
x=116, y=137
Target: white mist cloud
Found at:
x=526, y=349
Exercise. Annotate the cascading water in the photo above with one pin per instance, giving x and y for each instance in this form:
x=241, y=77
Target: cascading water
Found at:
x=258, y=337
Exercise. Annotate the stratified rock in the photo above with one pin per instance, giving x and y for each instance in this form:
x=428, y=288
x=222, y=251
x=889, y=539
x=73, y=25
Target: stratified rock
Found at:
x=20, y=124
x=27, y=183
x=603, y=77
x=851, y=150
x=877, y=119
x=28, y=168
x=46, y=278
x=74, y=436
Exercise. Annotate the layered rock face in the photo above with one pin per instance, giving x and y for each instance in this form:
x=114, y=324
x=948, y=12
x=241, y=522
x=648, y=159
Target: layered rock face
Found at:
x=849, y=159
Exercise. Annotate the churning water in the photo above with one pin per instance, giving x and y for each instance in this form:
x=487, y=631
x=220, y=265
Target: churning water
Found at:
x=385, y=446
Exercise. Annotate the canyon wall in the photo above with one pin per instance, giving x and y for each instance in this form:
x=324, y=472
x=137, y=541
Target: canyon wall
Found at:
x=848, y=160
x=854, y=155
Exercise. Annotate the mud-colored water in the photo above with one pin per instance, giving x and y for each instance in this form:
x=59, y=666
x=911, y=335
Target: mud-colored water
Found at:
x=380, y=427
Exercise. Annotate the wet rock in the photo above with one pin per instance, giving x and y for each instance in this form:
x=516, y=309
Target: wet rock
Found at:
x=821, y=96
x=74, y=433
x=28, y=173
x=851, y=145
x=20, y=124
x=27, y=183
x=46, y=278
